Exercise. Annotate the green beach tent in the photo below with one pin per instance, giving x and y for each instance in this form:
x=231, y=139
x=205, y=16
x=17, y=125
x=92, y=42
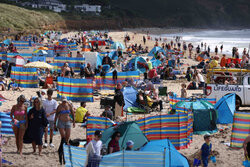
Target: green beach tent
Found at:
x=129, y=131
x=204, y=115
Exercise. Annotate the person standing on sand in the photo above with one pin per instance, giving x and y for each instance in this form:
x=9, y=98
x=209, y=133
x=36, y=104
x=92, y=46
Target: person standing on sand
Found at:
x=64, y=121
x=183, y=91
x=208, y=49
x=19, y=121
x=50, y=106
x=206, y=150
x=221, y=48
x=216, y=50
x=37, y=124
x=144, y=40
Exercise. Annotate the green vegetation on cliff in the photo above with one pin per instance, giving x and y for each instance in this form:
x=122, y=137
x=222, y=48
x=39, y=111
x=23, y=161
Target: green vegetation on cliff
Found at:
x=19, y=19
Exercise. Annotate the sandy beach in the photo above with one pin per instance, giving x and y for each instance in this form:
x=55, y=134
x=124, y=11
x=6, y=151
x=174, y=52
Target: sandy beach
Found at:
x=226, y=157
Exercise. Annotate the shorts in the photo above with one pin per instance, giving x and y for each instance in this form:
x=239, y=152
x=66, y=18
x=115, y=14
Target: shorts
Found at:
x=63, y=125
x=51, y=124
x=205, y=161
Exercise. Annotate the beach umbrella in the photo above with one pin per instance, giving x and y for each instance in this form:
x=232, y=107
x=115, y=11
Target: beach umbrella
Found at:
x=7, y=41
x=39, y=64
x=43, y=48
x=115, y=45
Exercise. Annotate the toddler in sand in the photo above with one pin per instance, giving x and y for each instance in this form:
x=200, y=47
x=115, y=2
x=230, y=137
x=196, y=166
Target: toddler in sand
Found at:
x=206, y=150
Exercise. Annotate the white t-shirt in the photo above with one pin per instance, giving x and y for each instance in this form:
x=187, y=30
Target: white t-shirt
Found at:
x=97, y=146
x=49, y=106
x=201, y=79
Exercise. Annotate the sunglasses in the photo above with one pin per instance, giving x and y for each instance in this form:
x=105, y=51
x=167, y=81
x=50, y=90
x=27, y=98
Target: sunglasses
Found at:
x=118, y=136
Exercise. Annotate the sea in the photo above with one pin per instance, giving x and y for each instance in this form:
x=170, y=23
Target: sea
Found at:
x=227, y=38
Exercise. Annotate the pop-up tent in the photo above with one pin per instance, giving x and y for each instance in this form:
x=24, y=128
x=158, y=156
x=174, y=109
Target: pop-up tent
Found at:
x=205, y=115
x=138, y=64
x=130, y=94
x=156, y=62
x=172, y=157
x=115, y=45
x=129, y=131
x=156, y=50
x=225, y=108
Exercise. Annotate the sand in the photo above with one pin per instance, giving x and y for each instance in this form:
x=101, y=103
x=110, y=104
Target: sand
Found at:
x=227, y=156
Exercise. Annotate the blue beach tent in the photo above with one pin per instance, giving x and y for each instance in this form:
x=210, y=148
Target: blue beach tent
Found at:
x=155, y=50
x=172, y=157
x=135, y=64
x=225, y=108
x=115, y=45
x=129, y=94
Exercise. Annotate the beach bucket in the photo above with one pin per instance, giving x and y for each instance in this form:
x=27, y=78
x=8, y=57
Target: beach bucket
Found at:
x=213, y=159
x=246, y=163
x=197, y=162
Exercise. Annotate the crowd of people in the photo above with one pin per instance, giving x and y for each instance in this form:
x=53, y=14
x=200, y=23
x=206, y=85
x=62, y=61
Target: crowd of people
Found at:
x=38, y=117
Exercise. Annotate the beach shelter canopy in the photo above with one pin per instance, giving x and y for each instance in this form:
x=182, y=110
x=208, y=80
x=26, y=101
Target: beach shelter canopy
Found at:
x=225, y=108
x=137, y=64
x=115, y=45
x=156, y=62
x=156, y=50
x=7, y=41
x=130, y=94
x=39, y=64
x=129, y=131
x=172, y=156
x=205, y=115
x=18, y=60
x=113, y=55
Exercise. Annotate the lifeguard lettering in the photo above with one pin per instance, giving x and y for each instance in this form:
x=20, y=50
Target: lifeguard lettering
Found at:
x=226, y=88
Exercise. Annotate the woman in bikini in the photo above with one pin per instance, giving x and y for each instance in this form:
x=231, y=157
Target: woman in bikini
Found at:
x=19, y=120
x=64, y=121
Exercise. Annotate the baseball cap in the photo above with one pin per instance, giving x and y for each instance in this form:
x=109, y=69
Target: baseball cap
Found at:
x=43, y=91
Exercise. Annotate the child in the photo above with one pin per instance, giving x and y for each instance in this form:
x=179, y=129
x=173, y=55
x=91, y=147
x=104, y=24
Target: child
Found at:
x=206, y=150
x=14, y=86
x=183, y=91
x=130, y=145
